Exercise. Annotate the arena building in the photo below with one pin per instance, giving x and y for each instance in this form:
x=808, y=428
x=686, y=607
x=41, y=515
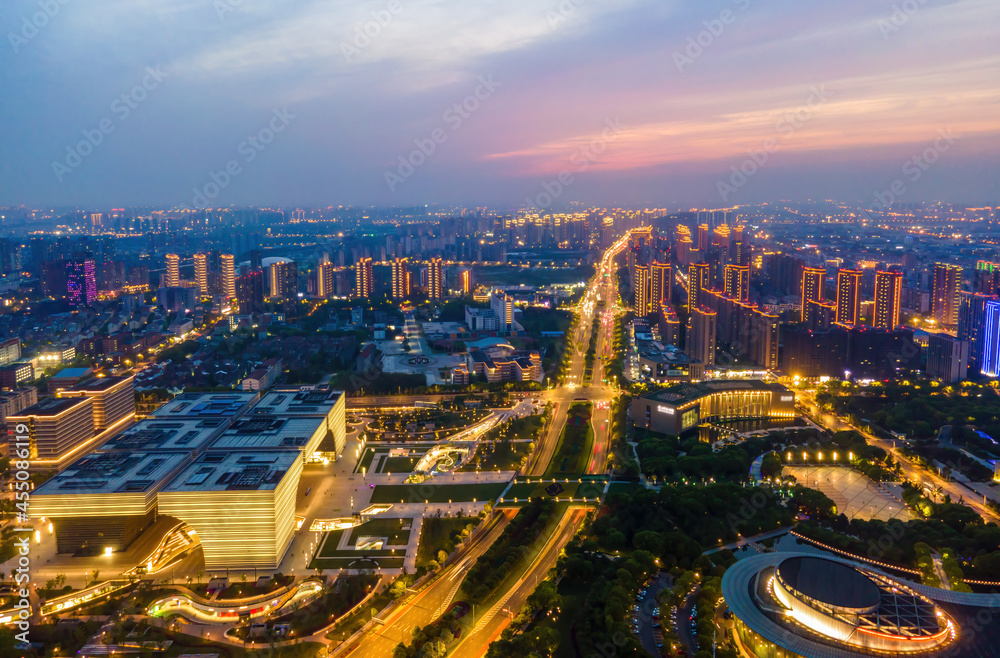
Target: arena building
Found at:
x=681, y=407
x=798, y=605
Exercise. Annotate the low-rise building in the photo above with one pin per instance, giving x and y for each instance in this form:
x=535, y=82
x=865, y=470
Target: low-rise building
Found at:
x=681, y=407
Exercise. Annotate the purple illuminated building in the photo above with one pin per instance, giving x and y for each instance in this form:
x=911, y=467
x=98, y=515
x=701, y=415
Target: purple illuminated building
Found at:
x=81, y=286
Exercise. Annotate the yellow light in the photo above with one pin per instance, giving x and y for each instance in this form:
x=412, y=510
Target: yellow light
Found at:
x=805, y=456
x=107, y=550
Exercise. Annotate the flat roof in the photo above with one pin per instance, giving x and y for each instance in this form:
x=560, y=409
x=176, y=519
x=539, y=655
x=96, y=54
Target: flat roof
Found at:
x=167, y=435
x=240, y=470
x=66, y=373
x=679, y=394
x=201, y=405
x=112, y=472
x=99, y=383
x=297, y=403
x=267, y=432
x=50, y=407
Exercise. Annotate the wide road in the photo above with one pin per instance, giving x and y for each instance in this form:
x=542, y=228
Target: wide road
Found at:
x=911, y=471
x=431, y=602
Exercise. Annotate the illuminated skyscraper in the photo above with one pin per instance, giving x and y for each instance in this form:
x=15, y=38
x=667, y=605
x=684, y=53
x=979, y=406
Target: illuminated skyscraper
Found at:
x=465, y=281
x=324, y=280
x=284, y=279
x=888, y=293
x=944, y=298
x=435, y=279
x=812, y=288
x=698, y=276
x=642, y=291
x=363, y=278
x=987, y=277
x=990, y=360
x=227, y=275
x=201, y=273
x=401, y=278
x=173, y=264
x=701, y=336
x=738, y=282
x=848, y=297
x=81, y=284
x=661, y=277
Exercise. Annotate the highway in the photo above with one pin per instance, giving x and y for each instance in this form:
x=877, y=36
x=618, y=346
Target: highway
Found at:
x=434, y=600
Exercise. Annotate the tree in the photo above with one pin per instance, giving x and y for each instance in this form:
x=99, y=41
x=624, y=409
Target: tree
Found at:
x=95, y=573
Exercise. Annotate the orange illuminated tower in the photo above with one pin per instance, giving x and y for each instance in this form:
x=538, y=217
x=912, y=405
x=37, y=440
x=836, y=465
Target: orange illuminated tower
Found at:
x=660, y=275
x=363, y=278
x=738, y=282
x=848, y=297
x=173, y=276
x=947, y=286
x=812, y=288
x=642, y=291
x=401, y=278
x=698, y=276
x=888, y=293
x=435, y=279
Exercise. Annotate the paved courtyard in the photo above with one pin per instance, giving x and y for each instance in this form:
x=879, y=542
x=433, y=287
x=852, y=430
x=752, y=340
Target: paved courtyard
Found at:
x=854, y=494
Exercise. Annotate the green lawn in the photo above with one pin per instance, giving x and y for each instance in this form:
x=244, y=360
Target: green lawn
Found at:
x=398, y=464
x=393, y=529
x=438, y=534
x=575, y=442
x=435, y=493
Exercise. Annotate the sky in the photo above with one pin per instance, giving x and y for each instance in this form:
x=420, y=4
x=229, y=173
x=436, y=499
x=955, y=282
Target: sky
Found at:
x=501, y=103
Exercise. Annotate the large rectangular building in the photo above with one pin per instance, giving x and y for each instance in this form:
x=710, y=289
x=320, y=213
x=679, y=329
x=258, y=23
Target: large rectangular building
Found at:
x=56, y=426
x=682, y=407
x=331, y=406
x=114, y=398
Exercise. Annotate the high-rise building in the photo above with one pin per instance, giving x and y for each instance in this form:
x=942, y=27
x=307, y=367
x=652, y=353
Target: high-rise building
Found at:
x=698, y=277
x=888, y=296
x=947, y=358
x=173, y=276
x=324, y=280
x=466, y=282
x=812, y=288
x=201, y=273
x=661, y=275
x=642, y=291
x=990, y=359
x=701, y=336
x=987, y=277
x=971, y=312
x=363, y=278
x=284, y=279
x=738, y=282
x=227, y=275
x=250, y=292
x=848, y=297
x=944, y=298
x=81, y=283
x=435, y=279
x=400, y=278
x=821, y=315
x=503, y=306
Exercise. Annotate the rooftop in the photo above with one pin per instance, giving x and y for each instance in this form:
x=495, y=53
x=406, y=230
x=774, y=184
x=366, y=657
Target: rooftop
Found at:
x=202, y=405
x=297, y=403
x=267, y=432
x=51, y=407
x=98, y=384
x=683, y=393
x=242, y=470
x=115, y=472
x=168, y=435
x=67, y=373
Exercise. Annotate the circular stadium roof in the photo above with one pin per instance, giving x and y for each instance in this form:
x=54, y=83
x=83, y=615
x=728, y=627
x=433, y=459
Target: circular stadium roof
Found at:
x=833, y=583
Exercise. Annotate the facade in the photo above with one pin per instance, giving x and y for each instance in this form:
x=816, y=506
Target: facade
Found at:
x=798, y=605
x=363, y=282
x=502, y=305
x=848, y=297
x=172, y=278
x=519, y=367
x=481, y=319
x=10, y=351
x=737, y=283
x=284, y=278
x=947, y=358
x=661, y=275
x=13, y=375
x=227, y=276
x=250, y=292
x=201, y=273
x=114, y=398
x=435, y=279
x=945, y=294
x=642, y=291
x=814, y=354
x=812, y=288
x=15, y=401
x=888, y=298
x=401, y=278
x=701, y=336
x=698, y=281
x=990, y=339
x=81, y=283
x=682, y=407
x=56, y=426
x=971, y=313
